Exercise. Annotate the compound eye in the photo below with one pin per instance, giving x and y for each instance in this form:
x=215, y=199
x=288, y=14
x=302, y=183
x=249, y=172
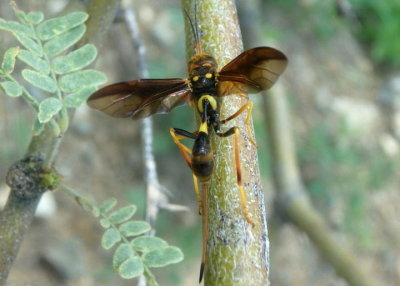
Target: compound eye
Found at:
x=208, y=75
x=195, y=78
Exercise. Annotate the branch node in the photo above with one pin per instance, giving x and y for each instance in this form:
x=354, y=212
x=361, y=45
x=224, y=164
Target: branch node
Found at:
x=25, y=178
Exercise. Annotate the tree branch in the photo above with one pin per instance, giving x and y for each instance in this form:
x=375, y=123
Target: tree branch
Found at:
x=24, y=177
x=237, y=254
x=292, y=200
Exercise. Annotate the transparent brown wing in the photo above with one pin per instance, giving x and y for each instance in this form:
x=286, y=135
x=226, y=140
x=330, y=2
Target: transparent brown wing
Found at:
x=252, y=71
x=141, y=98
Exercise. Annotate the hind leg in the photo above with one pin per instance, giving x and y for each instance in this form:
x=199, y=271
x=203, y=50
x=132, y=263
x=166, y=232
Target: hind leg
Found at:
x=177, y=135
x=243, y=200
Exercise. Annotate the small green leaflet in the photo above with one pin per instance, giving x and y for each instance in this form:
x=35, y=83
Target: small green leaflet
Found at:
x=64, y=41
x=122, y=214
x=75, y=60
x=163, y=256
x=29, y=44
x=39, y=80
x=107, y=205
x=15, y=27
x=12, y=89
x=75, y=81
x=123, y=253
x=9, y=60
x=48, y=108
x=148, y=243
x=20, y=15
x=110, y=238
x=57, y=26
x=34, y=61
x=131, y=268
x=104, y=222
x=35, y=17
x=134, y=228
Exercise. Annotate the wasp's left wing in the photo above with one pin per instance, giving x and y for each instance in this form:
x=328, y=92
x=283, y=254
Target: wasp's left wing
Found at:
x=141, y=98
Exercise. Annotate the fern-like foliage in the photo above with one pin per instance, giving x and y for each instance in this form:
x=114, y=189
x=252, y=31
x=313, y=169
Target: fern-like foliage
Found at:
x=136, y=252
x=50, y=65
x=60, y=74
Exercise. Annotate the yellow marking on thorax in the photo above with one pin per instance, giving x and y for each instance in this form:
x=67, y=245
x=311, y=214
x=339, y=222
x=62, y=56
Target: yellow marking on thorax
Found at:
x=203, y=127
x=210, y=99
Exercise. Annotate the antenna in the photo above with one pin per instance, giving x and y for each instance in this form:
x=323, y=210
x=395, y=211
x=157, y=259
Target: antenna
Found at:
x=195, y=30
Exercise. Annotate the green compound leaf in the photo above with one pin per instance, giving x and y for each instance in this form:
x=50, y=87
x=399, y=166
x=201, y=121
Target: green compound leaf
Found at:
x=76, y=99
x=75, y=81
x=64, y=41
x=148, y=243
x=134, y=228
x=110, y=238
x=163, y=257
x=123, y=214
x=131, y=268
x=34, y=61
x=16, y=27
x=48, y=108
x=107, y=205
x=11, y=88
x=37, y=127
x=39, y=80
x=35, y=17
x=29, y=44
x=57, y=26
x=9, y=60
x=75, y=60
x=123, y=253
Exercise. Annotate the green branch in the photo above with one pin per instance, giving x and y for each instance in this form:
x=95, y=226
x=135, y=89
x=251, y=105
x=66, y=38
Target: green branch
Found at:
x=237, y=254
x=26, y=190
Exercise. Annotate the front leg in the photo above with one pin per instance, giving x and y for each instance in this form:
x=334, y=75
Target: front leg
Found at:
x=249, y=107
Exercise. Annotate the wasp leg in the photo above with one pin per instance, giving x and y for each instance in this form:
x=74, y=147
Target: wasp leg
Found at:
x=178, y=134
x=204, y=230
x=242, y=195
x=249, y=106
x=198, y=197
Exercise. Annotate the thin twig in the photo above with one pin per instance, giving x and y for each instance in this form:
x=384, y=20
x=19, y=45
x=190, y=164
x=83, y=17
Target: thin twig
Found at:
x=156, y=199
x=292, y=200
x=152, y=190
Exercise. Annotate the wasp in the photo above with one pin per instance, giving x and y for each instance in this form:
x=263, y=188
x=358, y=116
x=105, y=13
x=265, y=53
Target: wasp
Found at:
x=252, y=71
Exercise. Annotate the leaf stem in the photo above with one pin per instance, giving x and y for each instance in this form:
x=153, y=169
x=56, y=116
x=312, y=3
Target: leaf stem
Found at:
x=63, y=120
x=25, y=93
x=33, y=102
x=91, y=205
x=149, y=276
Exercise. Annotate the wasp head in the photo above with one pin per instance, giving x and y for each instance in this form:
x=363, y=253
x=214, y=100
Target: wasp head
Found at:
x=202, y=69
